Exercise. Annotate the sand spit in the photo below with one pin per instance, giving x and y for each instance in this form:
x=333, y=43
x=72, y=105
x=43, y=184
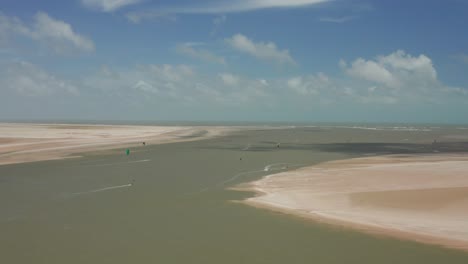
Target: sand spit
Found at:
x=416, y=197
x=37, y=142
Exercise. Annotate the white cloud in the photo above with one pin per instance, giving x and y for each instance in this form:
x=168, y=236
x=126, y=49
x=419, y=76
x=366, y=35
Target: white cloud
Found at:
x=181, y=84
x=167, y=72
x=372, y=89
x=229, y=79
x=152, y=86
x=242, y=6
x=108, y=5
x=177, y=83
x=263, y=82
x=190, y=49
x=262, y=50
x=456, y=90
x=311, y=84
x=55, y=34
x=147, y=78
x=399, y=60
x=342, y=63
x=371, y=71
x=398, y=77
x=337, y=19
x=145, y=87
x=27, y=79
x=11, y=25
x=207, y=7
x=296, y=84
x=48, y=29
x=396, y=70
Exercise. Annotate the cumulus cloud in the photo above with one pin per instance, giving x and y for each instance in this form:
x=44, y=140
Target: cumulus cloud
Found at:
x=410, y=79
x=27, y=79
x=398, y=77
x=372, y=71
x=396, y=70
x=48, y=29
x=153, y=87
x=147, y=78
x=177, y=83
x=311, y=84
x=191, y=50
x=261, y=50
x=108, y=5
x=229, y=79
x=145, y=87
x=55, y=34
x=11, y=25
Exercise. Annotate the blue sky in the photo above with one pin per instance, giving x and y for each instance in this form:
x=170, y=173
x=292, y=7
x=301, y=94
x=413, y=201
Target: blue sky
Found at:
x=244, y=60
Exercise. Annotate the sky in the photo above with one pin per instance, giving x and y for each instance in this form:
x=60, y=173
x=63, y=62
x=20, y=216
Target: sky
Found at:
x=239, y=60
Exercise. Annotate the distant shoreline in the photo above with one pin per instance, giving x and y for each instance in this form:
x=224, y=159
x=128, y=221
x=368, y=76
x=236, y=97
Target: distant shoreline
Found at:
x=26, y=142
x=421, y=198
x=236, y=123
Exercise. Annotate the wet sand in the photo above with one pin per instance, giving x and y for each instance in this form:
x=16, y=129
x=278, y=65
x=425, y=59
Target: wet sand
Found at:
x=417, y=197
x=38, y=142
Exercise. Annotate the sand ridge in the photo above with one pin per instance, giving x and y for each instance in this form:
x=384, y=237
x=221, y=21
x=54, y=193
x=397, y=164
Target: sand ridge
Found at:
x=418, y=197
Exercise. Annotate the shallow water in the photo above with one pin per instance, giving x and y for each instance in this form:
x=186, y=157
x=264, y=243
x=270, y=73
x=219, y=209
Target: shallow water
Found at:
x=169, y=203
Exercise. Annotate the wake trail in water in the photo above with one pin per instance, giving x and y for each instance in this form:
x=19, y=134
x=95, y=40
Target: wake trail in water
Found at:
x=104, y=189
x=269, y=167
x=236, y=176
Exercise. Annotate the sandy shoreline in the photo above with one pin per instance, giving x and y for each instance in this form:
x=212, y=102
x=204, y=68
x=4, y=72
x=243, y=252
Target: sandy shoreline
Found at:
x=415, y=197
x=21, y=143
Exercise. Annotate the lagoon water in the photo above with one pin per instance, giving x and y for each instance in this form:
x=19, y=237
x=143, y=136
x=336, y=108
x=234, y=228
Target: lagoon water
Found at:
x=169, y=203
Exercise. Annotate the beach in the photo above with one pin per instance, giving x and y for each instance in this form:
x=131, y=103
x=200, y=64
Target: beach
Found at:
x=416, y=197
x=37, y=142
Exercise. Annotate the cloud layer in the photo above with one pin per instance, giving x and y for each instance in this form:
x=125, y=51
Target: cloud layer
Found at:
x=396, y=70
x=193, y=50
x=26, y=79
x=108, y=5
x=55, y=34
x=386, y=82
x=388, y=79
x=243, y=6
x=206, y=7
x=261, y=50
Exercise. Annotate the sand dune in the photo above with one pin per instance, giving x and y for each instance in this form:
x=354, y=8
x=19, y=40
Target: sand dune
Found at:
x=418, y=197
x=36, y=142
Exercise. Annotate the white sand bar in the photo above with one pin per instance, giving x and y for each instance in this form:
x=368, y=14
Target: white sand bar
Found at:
x=417, y=197
x=35, y=142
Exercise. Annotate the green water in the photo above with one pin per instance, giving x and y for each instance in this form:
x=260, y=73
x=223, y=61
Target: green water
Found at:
x=179, y=211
